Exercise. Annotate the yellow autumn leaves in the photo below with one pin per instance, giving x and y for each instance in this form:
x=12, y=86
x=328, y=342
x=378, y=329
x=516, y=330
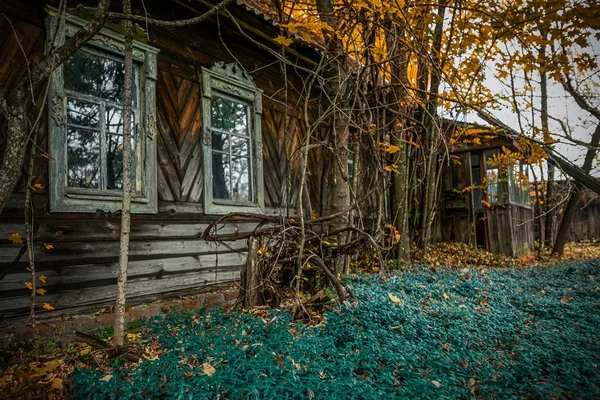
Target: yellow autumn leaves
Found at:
x=16, y=238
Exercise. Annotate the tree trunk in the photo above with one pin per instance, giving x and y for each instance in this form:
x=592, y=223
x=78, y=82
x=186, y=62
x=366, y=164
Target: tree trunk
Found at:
x=400, y=194
x=15, y=144
x=340, y=190
x=14, y=105
x=431, y=128
x=250, y=284
x=548, y=206
x=119, y=326
x=565, y=225
x=400, y=188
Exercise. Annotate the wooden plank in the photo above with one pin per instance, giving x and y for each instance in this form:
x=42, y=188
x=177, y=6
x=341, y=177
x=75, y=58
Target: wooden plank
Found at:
x=167, y=157
x=165, y=192
x=492, y=223
x=65, y=277
x=100, y=295
x=78, y=253
x=55, y=231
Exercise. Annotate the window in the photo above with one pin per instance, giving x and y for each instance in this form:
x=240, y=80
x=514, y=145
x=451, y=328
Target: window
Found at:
x=518, y=184
x=232, y=141
x=493, y=168
x=86, y=125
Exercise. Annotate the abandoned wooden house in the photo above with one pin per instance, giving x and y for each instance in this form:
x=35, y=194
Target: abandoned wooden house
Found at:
x=217, y=126
x=485, y=197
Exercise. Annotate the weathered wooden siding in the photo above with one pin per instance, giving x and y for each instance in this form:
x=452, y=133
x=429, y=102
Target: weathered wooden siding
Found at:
x=586, y=223
x=508, y=227
x=522, y=220
x=167, y=256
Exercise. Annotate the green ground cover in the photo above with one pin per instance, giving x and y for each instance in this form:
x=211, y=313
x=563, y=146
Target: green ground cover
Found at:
x=451, y=334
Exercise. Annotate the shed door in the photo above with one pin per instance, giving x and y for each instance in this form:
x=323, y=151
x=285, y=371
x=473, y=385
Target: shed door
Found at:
x=458, y=220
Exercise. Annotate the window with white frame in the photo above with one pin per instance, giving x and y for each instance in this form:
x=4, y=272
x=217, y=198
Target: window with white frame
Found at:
x=86, y=125
x=231, y=120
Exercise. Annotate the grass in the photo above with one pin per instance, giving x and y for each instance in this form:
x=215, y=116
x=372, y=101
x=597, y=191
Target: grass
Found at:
x=503, y=333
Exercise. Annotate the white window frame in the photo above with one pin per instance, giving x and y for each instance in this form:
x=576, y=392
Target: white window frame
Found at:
x=230, y=81
x=65, y=199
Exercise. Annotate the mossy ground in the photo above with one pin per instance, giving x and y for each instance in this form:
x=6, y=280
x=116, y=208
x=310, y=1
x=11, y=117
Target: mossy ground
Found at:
x=451, y=333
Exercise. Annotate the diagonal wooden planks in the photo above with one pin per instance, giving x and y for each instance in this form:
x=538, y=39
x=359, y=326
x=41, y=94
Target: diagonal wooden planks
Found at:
x=180, y=141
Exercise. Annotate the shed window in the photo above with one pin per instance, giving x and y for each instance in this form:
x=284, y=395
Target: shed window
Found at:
x=231, y=118
x=86, y=125
x=518, y=184
x=493, y=170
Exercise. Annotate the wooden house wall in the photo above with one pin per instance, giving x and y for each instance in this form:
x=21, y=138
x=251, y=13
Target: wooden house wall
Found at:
x=78, y=253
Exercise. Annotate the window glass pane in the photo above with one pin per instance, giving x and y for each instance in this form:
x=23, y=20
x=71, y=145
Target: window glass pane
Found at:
x=114, y=160
x=221, y=176
x=229, y=115
x=491, y=177
x=95, y=75
x=525, y=187
x=114, y=149
x=512, y=187
x=83, y=113
x=220, y=142
x=114, y=120
x=240, y=179
x=240, y=146
x=83, y=158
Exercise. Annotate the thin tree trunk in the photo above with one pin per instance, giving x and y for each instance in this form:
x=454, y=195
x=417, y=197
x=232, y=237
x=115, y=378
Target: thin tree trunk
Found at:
x=565, y=225
x=119, y=326
x=29, y=226
x=548, y=206
x=432, y=132
x=400, y=190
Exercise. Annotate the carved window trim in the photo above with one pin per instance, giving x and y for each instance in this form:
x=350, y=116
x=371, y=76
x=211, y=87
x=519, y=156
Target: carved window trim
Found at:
x=230, y=80
x=64, y=200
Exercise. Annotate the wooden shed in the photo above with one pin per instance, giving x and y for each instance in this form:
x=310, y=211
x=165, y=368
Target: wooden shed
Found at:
x=218, y=123
x=485, y=196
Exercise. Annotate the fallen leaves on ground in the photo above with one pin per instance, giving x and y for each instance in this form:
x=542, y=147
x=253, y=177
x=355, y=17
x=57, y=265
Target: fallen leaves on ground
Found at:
x=453, y=255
